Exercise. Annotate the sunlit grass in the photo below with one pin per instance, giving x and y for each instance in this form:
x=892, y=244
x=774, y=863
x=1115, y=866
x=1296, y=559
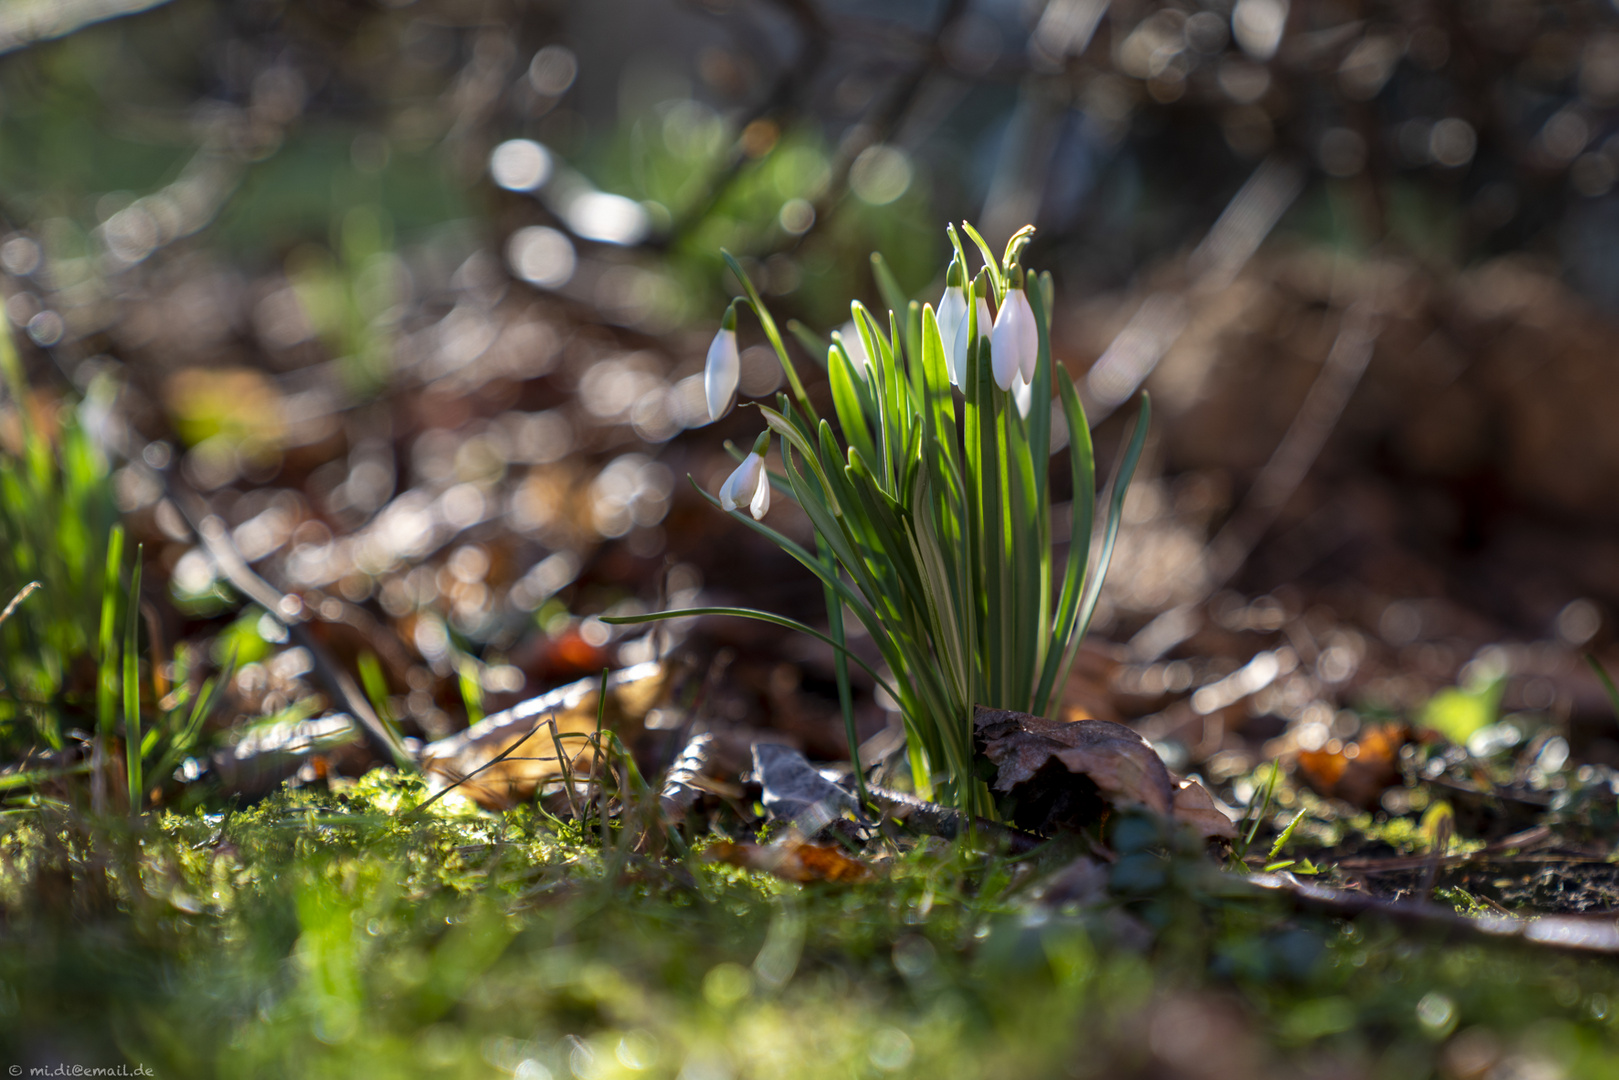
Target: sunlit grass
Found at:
x=339, y=935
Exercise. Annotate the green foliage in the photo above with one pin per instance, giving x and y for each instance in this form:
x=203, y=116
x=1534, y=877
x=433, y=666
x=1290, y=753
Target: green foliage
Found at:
x=936, y=534
x=70, y=653
x=56, y=513
x=1459, y=712
x=319, y=935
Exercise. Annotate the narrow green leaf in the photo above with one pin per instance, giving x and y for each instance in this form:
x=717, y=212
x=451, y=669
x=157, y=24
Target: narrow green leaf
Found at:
x=1093, y=586
x=132, y=689
x=848, y=403
x=107, y=651
x=765, y=320
x=1607, y=681
x=840, y=668
x=761, y=616
x=997, y=277
x=894, y=297
x=812, y=343
x=1082, y=510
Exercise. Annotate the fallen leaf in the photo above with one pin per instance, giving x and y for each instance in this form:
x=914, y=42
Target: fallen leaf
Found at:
x=1194, y=806
x=464, y=760
x=794, y=860
x=1361, y=771
x=1038, y=760
x=795, y=791
x=682, y=787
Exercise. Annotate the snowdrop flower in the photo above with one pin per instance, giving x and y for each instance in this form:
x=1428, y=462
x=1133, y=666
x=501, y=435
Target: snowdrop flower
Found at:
x=963, y=333
x=1022, y=394
x=724, y=367
x=750, y=481
x=1014, y=347
x=952, y=312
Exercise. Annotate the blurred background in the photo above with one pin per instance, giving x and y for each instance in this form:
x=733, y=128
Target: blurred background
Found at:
x=412, y=299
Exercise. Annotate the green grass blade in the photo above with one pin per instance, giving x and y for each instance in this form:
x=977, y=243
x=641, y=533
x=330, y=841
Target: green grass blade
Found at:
x=1082, y=511
x=1606, y=680
x=774, y=335
x=1093, y=585
x=796, y=439
x=894, y=297
x=375, y=685
x=840, y=668
x=760, y=616
x=997, y=277
x=107, y=651
x=132, y=689
x=849, y=403
x=812, y=343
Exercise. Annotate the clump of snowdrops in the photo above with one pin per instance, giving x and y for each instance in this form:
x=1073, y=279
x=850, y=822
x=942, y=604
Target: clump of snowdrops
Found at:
x=932, y=501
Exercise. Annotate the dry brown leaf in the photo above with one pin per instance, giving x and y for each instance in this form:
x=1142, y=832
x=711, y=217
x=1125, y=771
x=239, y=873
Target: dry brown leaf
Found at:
x=795, y=861
x=1359, y=772
x=465, y=758
x=1037, y=760
x=1194, y=806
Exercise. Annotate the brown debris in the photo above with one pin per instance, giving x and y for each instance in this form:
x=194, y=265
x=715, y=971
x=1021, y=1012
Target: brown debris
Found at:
x=467, y=759
x=1194, y=806
x=1359, y=772
x=1561, y=932
x=1039, y=761
x=794, y=860
x=1068, y=775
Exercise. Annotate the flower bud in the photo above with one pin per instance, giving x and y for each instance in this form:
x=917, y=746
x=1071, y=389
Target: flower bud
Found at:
x=952, y=312
x=963, y=340
x=1015, y=344
x=723, y=368
x=750, y=481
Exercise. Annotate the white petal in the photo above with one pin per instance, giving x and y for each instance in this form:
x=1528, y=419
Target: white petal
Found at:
x=962, y=335
x=761, y=495
x=1022, y=394
x=1003, y=347
x=1028, y=333
x=720, y=374
x=957, y=357
x=952, y=310
x=742, y=482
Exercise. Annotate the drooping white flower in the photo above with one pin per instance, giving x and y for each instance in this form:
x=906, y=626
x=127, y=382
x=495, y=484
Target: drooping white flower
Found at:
x=724, y=367
x=1015, y=345
x=963, y=339
x=749, y=482
x=1022, y=394
x=1029, y=334
x=952, y=312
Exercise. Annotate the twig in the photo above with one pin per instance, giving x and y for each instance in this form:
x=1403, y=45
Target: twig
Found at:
x=1301, y=445
x=549, y=721
x=946, y=823
x=22, y=594
x=1583, y=935
x=1253, y=211
x=795, y=77
x=288, y=610
x=1289, y=463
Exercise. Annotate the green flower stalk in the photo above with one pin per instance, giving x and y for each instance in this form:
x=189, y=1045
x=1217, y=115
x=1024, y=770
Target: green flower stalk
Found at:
x=933, y=509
